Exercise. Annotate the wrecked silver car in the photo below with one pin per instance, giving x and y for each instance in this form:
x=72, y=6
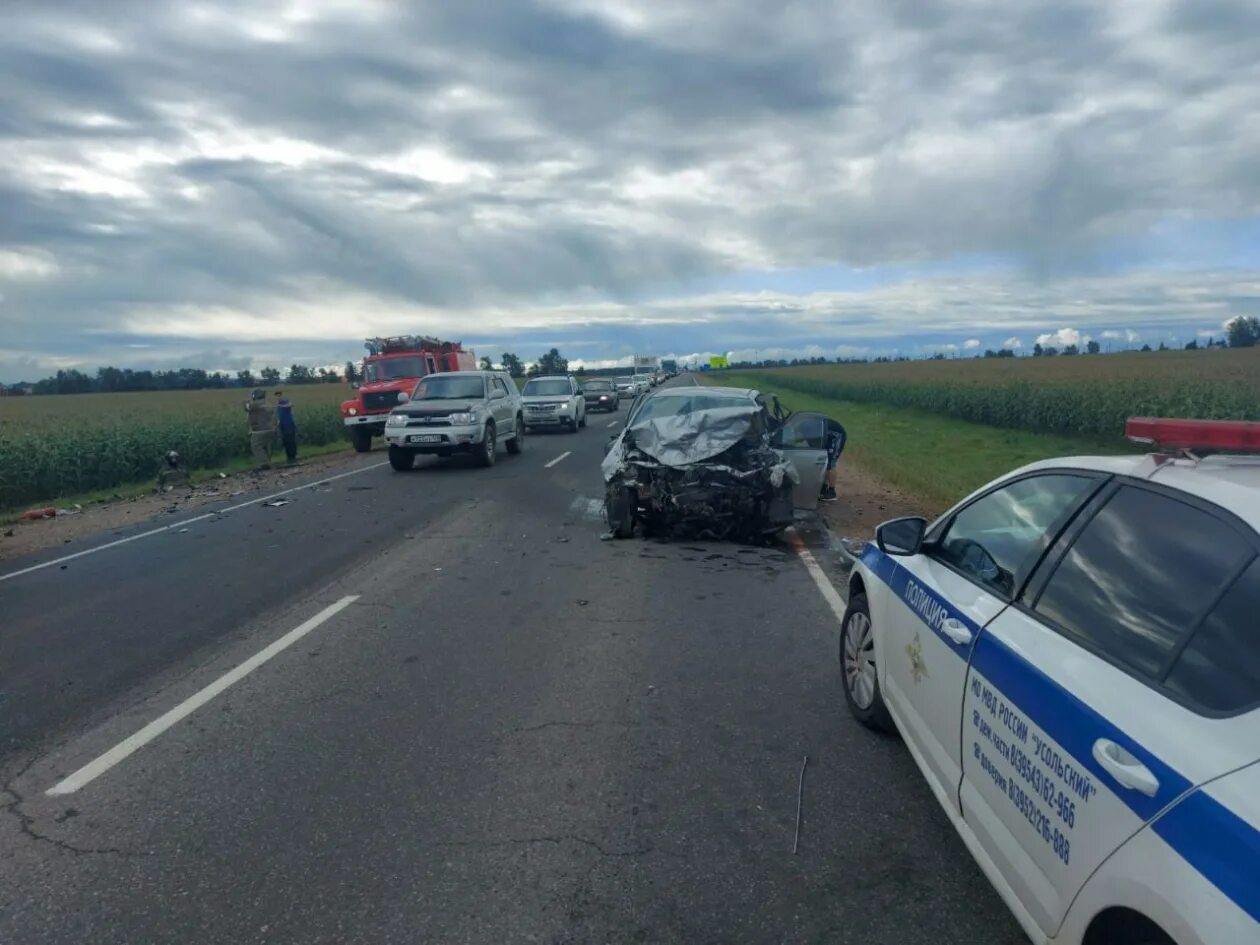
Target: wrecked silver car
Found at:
x=712, y=462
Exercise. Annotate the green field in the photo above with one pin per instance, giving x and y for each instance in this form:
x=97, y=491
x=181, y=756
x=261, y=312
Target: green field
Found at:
x=935, y=459
x=1082, y=395
x=57, y=446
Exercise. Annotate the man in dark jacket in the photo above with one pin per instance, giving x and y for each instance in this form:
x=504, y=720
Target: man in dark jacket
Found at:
x=288, y=428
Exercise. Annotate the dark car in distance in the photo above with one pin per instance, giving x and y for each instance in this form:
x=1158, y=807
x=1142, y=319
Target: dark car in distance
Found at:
x=601, y=395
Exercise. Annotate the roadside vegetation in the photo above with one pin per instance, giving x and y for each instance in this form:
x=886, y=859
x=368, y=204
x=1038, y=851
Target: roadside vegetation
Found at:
x=934, y=458
x=1080, y=395
x=54, y=447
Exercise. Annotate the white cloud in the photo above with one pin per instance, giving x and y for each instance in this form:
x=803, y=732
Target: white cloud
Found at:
x=1062, y=338
x=971, y=344
x=1012, y=344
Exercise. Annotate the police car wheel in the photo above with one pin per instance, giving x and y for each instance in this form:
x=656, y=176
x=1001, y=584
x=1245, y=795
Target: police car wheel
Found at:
x=857, y=667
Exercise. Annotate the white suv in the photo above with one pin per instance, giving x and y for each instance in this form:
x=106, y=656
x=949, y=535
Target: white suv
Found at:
x=554, y=400
x=1072, y=655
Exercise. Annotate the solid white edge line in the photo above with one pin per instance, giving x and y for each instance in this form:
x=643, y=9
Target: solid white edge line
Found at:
x=128, y=746
x=557, y=459
x=825, y=587
x=183, y=523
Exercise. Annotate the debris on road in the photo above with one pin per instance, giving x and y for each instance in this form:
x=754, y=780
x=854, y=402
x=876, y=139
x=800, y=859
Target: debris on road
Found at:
x=275, y=504
x=705, y=473
x=800, y=797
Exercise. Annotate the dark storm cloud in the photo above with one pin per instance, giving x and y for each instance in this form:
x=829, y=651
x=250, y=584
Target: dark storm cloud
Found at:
x=169, y=168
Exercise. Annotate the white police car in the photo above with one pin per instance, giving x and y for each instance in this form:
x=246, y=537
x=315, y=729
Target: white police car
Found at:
x=1072, y=655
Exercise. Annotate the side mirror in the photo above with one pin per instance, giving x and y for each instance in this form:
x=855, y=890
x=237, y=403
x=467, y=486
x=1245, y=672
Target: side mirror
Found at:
x=403, y=397
x=901, y=536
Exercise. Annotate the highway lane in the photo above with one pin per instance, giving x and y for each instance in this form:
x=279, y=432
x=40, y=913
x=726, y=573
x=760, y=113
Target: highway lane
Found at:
x=516, y=732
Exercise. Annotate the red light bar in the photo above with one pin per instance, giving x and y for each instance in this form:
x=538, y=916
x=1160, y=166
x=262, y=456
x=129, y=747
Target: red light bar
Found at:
x=1221, y=436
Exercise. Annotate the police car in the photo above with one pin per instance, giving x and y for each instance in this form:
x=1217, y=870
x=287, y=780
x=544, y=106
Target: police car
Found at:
x=1072, y=656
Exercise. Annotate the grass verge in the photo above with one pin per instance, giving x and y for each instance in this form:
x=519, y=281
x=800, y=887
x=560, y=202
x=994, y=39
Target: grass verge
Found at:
x=145, y=487
x=934, y=458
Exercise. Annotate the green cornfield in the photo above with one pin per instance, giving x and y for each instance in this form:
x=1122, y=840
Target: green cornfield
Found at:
x=53, y=446
x=1082, y=395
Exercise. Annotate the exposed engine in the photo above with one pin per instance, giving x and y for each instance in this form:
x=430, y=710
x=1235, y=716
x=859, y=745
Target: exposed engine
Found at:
x=742, y=494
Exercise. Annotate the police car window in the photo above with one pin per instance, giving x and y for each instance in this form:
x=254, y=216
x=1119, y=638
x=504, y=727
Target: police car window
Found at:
x=1220, y=667
x=991, y=539
x=1139, y=576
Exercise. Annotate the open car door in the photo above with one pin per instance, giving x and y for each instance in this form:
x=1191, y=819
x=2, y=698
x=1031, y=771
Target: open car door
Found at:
x=803, y=442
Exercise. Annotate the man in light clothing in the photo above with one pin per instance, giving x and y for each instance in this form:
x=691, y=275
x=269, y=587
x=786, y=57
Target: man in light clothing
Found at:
x=262, y=429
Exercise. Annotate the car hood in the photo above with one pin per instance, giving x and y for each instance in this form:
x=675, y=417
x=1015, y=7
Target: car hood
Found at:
x=422, y=408
x=687, y=438
x=544, y=399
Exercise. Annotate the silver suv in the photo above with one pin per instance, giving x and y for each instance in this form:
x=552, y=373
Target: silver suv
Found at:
x=554, y=400
x=457, y=412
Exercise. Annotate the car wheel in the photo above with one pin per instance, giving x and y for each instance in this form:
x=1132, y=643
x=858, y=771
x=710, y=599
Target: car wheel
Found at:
x=362, y=439
x=857, y=666
x=401, y=459
x=517, y=443
x=489, y=447
x=582, y=422
x=573, y=425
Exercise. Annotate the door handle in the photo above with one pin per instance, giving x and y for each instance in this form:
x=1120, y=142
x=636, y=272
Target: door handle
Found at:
x=956, y=630
x=1126, y=769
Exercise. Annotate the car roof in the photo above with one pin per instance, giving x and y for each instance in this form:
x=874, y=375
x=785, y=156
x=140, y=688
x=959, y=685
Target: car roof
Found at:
x=1229, y=481
x=551, y=377
x=698, y=391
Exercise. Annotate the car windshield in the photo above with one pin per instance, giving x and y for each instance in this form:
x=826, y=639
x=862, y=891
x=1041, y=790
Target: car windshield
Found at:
x=391, y=369
x=597, y=385
x=625, y=380
x=656, y=407
x=450, y=387
x=555, y=386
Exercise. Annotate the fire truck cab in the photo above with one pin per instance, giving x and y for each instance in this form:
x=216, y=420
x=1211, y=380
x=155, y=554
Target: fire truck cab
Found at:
x=392, y=367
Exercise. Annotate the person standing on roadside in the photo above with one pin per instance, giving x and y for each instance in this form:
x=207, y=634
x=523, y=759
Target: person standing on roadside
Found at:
x=262, y=429
x=288, y=428
x=836, y=437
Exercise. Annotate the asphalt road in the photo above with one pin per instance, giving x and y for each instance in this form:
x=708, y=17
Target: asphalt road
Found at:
x=513, y=732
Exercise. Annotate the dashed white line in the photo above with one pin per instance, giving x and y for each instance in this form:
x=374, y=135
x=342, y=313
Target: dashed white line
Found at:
x=128, y=746
x=184, y=522
x=825, y=587
x=557, y=459
x=613, y=424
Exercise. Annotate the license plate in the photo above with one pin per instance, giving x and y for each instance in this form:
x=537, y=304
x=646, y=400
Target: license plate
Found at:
x=425, y=438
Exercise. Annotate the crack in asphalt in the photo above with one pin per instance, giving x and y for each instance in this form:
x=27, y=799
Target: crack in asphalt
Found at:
x=26, y=823
x=562, y=724
x=555, y=840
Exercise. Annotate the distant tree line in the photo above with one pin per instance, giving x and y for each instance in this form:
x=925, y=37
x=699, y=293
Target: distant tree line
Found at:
x=109, y=380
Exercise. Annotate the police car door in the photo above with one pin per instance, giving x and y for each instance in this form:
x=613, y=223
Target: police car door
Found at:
x=803, y=442
x=966, y=575
x=1092, y=702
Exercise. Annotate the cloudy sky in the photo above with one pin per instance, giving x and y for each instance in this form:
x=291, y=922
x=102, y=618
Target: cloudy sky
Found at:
x=231, y=184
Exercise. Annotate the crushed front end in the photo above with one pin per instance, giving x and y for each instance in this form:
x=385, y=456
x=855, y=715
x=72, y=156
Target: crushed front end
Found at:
x=742, y=493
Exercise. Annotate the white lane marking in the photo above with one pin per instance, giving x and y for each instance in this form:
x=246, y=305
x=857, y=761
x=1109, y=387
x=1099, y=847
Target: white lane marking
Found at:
x=187, y=521
x=613, y=424
x=557, y=459
x=825, y=587
x=95, y=768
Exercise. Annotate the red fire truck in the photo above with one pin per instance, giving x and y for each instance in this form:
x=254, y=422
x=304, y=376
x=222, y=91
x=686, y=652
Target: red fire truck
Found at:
x=392, y=366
